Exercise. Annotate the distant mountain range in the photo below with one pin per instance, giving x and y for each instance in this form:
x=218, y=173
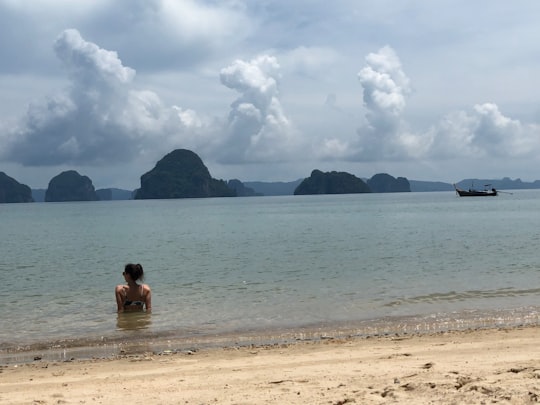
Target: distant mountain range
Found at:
x=505, y=183
x=273, y=188
x=104, y=194
x=287, y=188
x=500, y=184
x=182, y=174
x=419, y=186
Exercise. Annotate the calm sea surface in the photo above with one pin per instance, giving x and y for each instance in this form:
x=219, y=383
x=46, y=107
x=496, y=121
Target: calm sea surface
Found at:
x=268, y=266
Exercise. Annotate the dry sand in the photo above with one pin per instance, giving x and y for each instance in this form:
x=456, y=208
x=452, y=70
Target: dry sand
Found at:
x=471, y=367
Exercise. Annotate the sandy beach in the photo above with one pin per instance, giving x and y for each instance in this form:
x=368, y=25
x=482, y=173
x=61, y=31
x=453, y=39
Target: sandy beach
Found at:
x=468, y=367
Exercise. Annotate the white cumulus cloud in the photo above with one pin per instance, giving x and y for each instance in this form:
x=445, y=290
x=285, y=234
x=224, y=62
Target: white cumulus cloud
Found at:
x=485, y=131
x=258, y=129
x=100, y=117
x=385, y=90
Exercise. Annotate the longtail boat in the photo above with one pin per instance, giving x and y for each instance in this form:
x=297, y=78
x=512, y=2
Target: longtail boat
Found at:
x=476, y=193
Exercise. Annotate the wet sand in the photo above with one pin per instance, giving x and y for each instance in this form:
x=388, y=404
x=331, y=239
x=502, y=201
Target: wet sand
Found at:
x=474, y=366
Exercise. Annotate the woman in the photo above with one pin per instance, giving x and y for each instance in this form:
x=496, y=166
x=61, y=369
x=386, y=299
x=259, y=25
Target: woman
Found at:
x=133, y=296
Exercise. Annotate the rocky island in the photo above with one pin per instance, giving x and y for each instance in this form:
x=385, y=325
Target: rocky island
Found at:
x=181, y=174
x=70, y=186
x=11, y=191
x=331, y=183
x=384, y=183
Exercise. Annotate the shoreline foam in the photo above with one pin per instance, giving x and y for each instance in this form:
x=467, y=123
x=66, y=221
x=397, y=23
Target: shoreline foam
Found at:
x=173, y=341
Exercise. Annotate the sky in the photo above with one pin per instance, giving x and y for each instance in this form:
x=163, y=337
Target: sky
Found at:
x=270, y=90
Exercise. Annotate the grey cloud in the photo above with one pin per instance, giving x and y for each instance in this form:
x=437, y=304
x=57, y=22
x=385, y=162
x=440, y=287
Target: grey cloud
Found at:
x=24, y=46
x=167, y=35
x=152, y=35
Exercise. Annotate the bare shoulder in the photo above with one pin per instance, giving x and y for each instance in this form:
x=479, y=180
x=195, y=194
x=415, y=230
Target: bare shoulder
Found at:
x=146, y=289
x=120, y=288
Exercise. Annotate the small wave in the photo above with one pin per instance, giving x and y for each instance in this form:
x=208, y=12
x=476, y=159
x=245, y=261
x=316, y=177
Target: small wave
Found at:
x=454, y=296
x=195, y=339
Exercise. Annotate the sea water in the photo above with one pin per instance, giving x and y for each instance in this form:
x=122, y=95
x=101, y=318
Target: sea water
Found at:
x=297, y=266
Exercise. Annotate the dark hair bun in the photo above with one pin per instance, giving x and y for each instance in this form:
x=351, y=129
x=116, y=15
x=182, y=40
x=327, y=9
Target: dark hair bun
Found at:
x=135, y=271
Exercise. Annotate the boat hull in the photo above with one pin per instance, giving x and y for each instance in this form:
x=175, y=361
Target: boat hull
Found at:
x=475, y=193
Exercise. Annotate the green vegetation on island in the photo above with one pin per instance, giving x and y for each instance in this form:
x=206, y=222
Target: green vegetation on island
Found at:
x=384, y=183
x=241, y=189
x=331, y=183
x=11, y=191
x=181, y=174
x=70, y=186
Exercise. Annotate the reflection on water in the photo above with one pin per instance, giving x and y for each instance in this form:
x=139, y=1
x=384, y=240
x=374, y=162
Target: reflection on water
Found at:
x=133, y=320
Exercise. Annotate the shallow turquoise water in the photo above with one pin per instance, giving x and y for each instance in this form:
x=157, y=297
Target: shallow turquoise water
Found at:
x=218, y=266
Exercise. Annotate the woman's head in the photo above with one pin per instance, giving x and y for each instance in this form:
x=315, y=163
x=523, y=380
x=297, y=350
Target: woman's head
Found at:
x=135, y=271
